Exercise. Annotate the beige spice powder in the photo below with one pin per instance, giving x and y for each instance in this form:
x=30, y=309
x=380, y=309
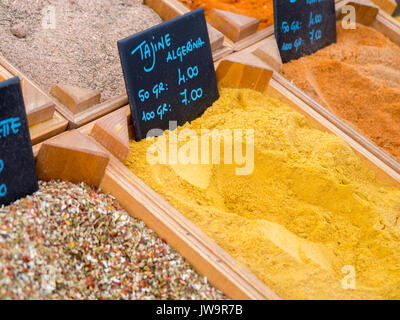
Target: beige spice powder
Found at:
x=81, y=50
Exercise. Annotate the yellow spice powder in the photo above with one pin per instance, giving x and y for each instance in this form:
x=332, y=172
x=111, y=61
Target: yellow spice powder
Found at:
x=309, y=213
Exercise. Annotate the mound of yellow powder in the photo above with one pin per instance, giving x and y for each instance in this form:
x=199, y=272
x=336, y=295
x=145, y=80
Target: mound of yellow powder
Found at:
x=308, y=214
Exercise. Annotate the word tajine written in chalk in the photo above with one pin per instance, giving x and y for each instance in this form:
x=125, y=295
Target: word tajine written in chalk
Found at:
x=17, y=166
x=303, y=27
x=169, y=73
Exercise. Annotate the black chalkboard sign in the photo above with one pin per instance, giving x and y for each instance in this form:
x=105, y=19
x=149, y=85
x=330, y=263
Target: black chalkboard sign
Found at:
x=169, y=73
x=303, y=27
x=17, y=165
x=397, y=11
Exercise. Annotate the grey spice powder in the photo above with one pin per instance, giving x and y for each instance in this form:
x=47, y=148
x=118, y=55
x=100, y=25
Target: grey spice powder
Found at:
x=78, y=47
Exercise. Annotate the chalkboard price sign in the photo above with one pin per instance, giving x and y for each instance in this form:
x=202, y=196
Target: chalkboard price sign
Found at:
x=397, y=11
x=303, y=27
x=17, y=165
x=169, y=73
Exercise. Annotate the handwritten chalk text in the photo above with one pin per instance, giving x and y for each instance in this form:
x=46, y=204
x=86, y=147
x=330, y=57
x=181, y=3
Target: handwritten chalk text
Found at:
x=9, y=126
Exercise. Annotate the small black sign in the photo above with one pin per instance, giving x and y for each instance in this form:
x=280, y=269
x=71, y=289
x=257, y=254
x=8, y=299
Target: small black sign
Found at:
x=169, y=73
x=397, y=11
x=303, y=27
x=17, y=165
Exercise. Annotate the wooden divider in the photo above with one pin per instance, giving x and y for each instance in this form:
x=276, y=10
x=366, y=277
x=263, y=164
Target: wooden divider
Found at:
x=44, y=122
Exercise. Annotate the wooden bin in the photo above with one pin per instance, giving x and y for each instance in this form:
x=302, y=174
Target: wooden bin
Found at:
x=368, y=14
x=64, y=153
x=44, y=122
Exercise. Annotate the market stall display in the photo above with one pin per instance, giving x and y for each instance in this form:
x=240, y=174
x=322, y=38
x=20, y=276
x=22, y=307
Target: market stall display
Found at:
x=211, y=196
x=227, y=175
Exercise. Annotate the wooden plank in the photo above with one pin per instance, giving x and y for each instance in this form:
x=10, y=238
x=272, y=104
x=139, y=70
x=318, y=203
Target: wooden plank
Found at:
x=387, y=26
x=47, y=129
x=44, y=122
x=389, y=19
x=112, y=133
x=75, y=98
x=72, y=156
x=36, y=101
x=235, y=26
x=242, y=72
x=366, y=11
x=167, y=10
x=389, y=6
x=92, y=113
x=267, y=50
x=4, y=74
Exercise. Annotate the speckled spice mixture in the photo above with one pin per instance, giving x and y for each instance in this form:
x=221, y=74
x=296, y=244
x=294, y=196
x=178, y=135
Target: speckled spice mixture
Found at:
x=68, y=241
x=82, y=50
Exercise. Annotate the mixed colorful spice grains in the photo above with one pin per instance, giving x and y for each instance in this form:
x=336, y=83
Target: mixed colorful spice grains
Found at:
x=69, y=241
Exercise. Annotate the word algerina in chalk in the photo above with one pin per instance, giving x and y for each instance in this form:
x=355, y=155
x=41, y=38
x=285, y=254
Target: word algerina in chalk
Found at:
x=148, y=50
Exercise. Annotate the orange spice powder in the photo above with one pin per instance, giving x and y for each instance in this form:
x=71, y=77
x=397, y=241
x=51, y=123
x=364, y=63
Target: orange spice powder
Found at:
x=260, y=9
x=358, y=79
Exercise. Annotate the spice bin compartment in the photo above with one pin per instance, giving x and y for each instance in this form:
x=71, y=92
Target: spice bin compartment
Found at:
x=367, y=14
x=44, y=121
x=225, y=273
